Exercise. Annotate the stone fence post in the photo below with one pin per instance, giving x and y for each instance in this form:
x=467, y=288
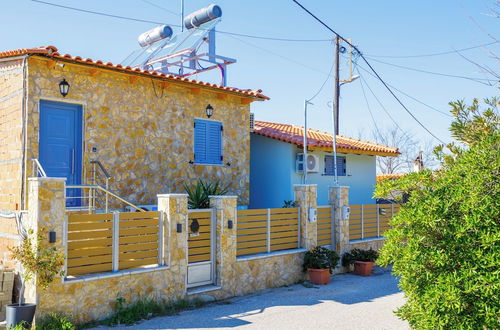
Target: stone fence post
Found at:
x=46, y=212
x=174, y=210
x=305, y=197
x=225, y=256
x=338, y=198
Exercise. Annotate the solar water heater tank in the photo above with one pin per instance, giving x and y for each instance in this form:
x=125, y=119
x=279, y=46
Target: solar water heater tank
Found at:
x=154, y=35
x=201, y=16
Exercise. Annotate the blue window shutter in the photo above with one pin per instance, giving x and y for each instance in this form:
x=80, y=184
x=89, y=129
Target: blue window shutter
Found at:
x=200, y=141
x=341, y=165
x=214, y=143
x=207, y=142
x=328, y=165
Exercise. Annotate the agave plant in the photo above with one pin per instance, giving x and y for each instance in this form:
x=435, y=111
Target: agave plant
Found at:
x=198, y=195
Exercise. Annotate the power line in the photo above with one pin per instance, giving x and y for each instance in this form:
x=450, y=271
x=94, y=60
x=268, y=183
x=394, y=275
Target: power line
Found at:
x=160, y=7
x=175, y=25
x=433, y=73
x=372, y=69
x=324, y=83
x=368, y=106
x=434, y=54
x=380, y=103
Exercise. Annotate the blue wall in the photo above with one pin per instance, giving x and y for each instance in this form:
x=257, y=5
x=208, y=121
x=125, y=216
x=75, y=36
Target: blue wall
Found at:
x=272, y=174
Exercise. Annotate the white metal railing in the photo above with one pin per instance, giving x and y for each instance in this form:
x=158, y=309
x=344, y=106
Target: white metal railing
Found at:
x=37, y=168
x=98, y=174
x=91, y=200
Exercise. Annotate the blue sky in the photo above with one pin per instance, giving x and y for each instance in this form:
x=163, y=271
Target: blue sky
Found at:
x=290, y=72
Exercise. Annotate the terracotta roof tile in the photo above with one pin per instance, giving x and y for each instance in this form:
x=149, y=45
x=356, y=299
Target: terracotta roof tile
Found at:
x=317, y=140
x=52, y=52
x=382, y=177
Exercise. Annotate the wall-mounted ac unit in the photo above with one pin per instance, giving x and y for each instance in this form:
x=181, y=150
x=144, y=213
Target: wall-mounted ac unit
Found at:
x=312, y=163
x=252, y=121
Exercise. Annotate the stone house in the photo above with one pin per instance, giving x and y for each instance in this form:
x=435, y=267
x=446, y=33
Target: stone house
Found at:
x=275, y=166
x=143, y=126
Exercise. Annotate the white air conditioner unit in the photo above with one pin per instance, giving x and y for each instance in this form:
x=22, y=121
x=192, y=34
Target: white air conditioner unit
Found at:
x=252, y=121
x=312, y=163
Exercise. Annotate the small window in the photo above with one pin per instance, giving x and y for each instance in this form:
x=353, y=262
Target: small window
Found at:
x=207, y=142
x=341, y=165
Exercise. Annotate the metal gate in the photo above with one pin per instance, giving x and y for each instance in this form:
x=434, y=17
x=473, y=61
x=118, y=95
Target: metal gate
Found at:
x=201, y=247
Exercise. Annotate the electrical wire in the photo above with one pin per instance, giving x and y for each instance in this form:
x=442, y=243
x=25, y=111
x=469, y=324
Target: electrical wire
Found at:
x=380, y=103
x=175, y=25
x=162, y=8
x=407, y=95
x=372, y=69
x=324, y=83
x=369, y=108
x=479, y=80
x=434, y=54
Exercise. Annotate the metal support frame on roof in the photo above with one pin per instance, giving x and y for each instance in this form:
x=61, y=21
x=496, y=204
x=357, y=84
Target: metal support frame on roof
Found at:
x=181, y=54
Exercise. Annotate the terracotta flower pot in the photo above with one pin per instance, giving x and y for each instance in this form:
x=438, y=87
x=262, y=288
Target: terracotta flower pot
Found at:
x=319, y=276
x=363, y=268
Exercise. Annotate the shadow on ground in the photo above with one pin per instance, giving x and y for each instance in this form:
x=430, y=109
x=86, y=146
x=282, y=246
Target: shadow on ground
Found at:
x=346, y=289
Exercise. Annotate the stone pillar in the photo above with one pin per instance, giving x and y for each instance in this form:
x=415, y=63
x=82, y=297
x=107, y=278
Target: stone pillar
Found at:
x=173, y=208
x=305, y=198
x=338, y=198
x=46, y=212
x=225, y=256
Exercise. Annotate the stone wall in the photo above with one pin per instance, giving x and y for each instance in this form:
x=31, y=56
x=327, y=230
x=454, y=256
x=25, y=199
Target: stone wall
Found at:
x=142, y=128
x=94, y=297
x=11, y=121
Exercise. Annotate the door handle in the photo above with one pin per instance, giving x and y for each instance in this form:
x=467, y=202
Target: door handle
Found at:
x=72, y=161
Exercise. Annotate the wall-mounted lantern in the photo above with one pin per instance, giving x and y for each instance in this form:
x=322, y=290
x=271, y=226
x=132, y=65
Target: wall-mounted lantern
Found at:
x=210, y=110
x=64, y=87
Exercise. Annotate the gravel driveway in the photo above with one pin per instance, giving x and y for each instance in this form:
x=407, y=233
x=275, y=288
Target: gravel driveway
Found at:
x=348, y=302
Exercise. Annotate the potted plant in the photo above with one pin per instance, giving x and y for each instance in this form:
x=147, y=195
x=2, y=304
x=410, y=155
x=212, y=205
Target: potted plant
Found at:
x=39, y=261
x=362, y=259
x=319, y=264
x=199, y=195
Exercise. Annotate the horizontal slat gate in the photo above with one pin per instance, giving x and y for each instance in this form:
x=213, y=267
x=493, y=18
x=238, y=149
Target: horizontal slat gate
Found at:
x=324, y=223
x=199, y=245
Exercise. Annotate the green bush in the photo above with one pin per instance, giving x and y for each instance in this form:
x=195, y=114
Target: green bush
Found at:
x=320, y=258
x=54, y=321
x=359, y=255
x=198, y=195
x=445, y=241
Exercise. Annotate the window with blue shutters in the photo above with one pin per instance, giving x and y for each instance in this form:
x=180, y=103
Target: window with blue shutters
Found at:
x=207, y=142
x=329, y=166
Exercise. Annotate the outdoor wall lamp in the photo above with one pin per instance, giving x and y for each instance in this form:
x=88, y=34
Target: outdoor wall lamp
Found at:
x=64, y=87
x=210, y=110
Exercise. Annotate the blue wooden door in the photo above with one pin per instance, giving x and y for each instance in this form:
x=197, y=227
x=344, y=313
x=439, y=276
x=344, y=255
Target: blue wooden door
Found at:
x=60, y=144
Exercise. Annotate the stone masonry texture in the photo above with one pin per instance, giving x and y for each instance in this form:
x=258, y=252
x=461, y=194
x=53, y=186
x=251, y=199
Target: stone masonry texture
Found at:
x=142, y=130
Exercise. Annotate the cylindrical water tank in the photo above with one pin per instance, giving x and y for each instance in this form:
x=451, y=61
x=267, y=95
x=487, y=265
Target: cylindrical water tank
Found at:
x=201, y=16
x=153, y=35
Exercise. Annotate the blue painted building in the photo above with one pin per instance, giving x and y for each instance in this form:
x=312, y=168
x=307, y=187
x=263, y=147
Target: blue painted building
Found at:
x=275, y=164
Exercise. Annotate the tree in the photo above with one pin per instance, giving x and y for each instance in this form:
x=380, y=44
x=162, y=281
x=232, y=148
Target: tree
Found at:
x=408, y=146
x=445, y=241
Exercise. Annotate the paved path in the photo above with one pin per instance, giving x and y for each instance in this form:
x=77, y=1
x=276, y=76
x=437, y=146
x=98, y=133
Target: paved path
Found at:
x=348, y=302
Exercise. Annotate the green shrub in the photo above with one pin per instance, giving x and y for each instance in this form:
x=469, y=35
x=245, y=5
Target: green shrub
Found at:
x=320, y=258
x=198, y=195
x=54, y=321
x=289, y=204
x=445, y=241
x=359, y=255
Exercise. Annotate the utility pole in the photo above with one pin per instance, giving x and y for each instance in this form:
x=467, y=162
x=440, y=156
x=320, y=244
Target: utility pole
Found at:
x=306, y=102
x=335, y=112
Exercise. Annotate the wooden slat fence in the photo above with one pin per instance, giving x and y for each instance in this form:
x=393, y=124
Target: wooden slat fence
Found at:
x=106, y=242
x=324, y=225
x=199, y=246
x=267, y=230
x=370, y=220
